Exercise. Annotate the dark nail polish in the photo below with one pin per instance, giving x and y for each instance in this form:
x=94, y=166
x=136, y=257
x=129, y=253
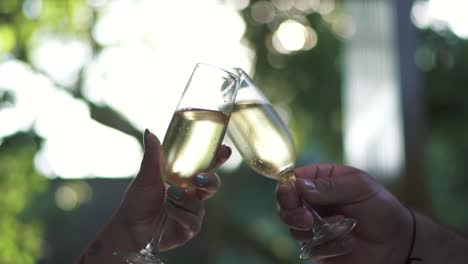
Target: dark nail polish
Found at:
x=229, y=150
x=175, y=192
x=202, y=180
x=145, y=138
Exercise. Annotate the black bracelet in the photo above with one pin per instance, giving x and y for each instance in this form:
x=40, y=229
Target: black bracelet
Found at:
x=409, y=259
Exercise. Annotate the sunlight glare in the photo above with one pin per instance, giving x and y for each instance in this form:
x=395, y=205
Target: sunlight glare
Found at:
x=146, y=59
x=292, y=35
x=434, y=13
x=61, y=57
x=74, y=145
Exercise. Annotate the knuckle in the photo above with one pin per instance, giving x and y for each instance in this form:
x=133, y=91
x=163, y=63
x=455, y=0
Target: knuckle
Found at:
x=325, y=184
x=193, y=230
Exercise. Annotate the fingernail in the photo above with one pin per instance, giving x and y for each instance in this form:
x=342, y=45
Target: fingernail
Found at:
x=229, y=150
x=309, y=186
x=145, y=138
x=175, y=192
x=202, y=180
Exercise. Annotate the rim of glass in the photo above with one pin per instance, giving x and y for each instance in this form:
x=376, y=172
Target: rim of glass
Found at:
x=225, y=74
x=231, y=74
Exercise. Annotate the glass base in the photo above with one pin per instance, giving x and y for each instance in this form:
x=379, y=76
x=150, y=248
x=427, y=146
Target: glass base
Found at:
x=142, y=257
x=326, y=242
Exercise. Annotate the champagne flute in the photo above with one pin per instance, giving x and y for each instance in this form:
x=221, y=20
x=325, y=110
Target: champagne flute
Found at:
x=266, y=145
x=195, y=133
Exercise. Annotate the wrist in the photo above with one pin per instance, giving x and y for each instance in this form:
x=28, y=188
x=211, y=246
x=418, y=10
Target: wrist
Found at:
x=401, y=244
x=115, y=236
x=438, y=244
x=426, y=232
x=410, y=256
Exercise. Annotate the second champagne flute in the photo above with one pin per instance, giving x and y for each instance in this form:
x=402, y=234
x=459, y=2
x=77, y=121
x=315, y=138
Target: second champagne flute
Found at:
x=194, y=135
x=266, y=145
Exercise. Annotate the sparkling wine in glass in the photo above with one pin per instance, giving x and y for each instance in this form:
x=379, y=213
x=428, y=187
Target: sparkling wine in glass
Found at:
x=195, y=133
x=266, y=145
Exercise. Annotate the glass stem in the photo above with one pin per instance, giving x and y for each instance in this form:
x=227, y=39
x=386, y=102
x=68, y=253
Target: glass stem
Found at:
x=152, y=248
x=318, y=220
x=288, y=176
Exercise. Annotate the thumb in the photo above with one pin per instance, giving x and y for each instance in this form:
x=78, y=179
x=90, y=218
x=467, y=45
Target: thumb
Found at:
x=150, y=169
x=343, y=186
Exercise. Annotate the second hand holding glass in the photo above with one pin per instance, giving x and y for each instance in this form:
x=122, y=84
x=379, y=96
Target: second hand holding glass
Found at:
x=266, y=145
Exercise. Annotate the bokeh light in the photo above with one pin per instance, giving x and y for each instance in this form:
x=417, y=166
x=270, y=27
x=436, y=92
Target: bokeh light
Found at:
x=69, y=196
x=326, y=7
x=66, y=198
x=238, y=5
x=32, y=8
x=146, y=58
x=283, y=5
x=263, y=12
x=292, y=35
x=441, y=15
x=60, y=57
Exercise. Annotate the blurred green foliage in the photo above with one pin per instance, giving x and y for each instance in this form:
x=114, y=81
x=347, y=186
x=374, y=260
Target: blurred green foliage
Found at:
x=444, y=67
x=307, y=83
x=21, y=231
x=17, y=29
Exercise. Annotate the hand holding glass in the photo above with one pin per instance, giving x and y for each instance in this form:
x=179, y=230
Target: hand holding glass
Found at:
x=194, y=135
x=267, y=146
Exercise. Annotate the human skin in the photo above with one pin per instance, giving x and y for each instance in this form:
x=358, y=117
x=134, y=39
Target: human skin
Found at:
x=384, y=226
x=133, y=223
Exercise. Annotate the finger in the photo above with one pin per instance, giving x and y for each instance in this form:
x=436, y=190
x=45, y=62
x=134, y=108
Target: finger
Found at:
x=314, y=171
x=190, y=223
x=301, y=235
x=206, y=185
x=222, y=155
x=186, y=200
x=299, y=218
x=306, y=172
x=150, y=173
x=335, y=190
x=343, y=186
x=286, y=196
x=176, y=233
x=147, y=188
x=183, y=224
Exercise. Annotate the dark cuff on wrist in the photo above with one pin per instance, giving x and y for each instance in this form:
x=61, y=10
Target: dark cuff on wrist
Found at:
x=410, y=259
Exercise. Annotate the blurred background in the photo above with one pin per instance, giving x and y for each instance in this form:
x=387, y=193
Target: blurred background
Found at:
x=376, y=84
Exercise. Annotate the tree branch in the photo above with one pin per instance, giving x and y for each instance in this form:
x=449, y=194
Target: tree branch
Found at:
x=100, y=113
